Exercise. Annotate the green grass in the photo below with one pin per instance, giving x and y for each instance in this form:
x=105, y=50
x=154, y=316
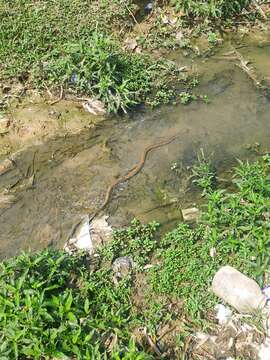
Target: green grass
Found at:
x=53, y=305
x=236, y=224
x=76, y=45
x=56, y=306
x=213, y=9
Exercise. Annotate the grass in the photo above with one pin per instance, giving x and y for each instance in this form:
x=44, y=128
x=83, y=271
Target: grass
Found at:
x=76, y=46
x=59, y=306
x=235, y=224
x=173, y=25
x=79, y=46
x=56, y=306
x=209, y=9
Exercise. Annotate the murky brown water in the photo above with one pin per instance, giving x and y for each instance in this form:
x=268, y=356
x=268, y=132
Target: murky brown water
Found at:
x=73, y=173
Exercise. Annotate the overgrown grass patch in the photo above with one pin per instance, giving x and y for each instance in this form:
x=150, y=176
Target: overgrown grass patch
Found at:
x=53, y=44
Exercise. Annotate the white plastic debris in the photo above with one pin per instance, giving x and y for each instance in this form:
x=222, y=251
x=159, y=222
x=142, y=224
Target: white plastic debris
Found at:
x=213, y=252
x=89, y=236
x=239, y=291
x=223, y=314
x=81, y=239
x=94, y=107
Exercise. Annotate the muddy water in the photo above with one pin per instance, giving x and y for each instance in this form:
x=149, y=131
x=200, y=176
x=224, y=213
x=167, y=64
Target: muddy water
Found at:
x=72, y=173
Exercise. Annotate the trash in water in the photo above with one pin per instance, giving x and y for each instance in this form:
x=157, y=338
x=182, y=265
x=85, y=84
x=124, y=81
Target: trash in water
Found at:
x=81, y=238
x=89, y=236
x=191, y=214
x=148, y=8
x=94, y=107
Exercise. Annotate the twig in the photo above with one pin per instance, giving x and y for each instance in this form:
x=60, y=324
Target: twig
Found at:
x=60, y=97
x=166, y=333
x=134, y=19
x=153, y=346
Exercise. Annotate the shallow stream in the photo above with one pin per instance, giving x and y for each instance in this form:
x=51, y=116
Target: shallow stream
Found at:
x=73, y=172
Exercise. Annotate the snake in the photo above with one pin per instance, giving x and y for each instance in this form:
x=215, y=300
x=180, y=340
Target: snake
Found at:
x=131, y=173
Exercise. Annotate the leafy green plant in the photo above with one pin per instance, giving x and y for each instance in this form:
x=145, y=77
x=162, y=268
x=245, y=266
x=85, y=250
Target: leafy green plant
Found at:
x=186, y=97
x=212, y=38
x=204, y=174
x=55, y=305
x=83, y=56
x=212, y=9
x=137, y=241
x=234, y=229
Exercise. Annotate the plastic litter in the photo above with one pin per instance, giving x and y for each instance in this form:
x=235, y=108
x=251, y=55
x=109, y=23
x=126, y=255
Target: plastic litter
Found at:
x=81, y=239
x=239, y=291
x=223, y=314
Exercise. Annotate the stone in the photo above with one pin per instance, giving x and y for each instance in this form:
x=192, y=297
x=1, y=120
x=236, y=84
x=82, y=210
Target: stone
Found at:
x=191, y=214
x=121, y=267
x=4, y=125
x=5, y=166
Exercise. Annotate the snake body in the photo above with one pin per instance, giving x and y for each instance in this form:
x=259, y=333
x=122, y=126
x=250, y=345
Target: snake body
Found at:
x=132, y=172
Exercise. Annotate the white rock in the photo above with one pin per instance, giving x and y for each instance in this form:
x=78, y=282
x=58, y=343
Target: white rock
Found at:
x=191, y=214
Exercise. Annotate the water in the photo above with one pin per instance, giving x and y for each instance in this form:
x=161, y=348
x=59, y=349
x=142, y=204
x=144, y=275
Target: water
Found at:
x=73, y=172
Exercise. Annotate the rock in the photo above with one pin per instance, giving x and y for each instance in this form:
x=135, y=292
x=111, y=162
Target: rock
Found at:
x=237, y=290
x=7, y=200
x=4, y=125
x=191, y=214
x=121, y=267
x=6, y=166
x=130, y=44
x=101, y=231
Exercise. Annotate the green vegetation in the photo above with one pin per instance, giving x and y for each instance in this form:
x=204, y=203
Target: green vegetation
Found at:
x=234, y=224
x=205, y=9
x=76, y=46
x=58, y=306
x=174, y=25
x=79, y=46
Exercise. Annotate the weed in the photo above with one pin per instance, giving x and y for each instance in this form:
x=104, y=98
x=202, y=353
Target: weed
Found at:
x=212, y=9
x=235, y=224
x=186, y=97
x=212, y=38
x=58, y=306
x=204, y=174
x=55, y=306
x=137, y=241
x=84, y=57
